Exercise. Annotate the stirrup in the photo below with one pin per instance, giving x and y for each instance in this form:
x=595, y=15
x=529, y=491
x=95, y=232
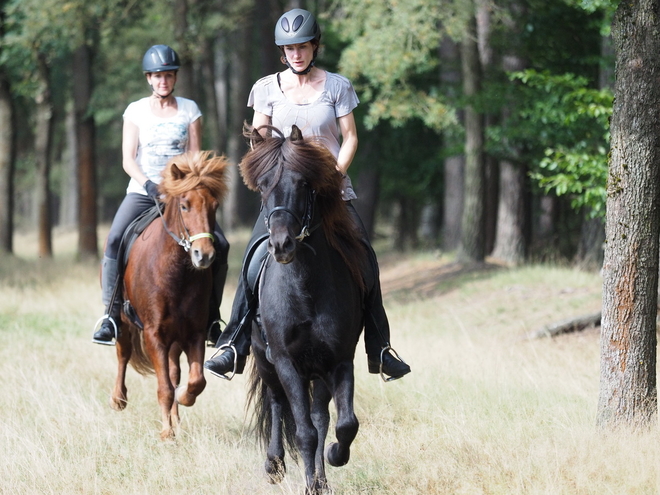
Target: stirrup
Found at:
x=233, y=372
x=383, y=376
x=97, y=326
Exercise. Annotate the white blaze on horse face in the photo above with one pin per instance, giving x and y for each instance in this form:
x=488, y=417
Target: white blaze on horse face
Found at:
x=197, y=213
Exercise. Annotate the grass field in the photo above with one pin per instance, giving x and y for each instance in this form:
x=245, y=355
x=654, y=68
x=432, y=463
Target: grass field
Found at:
x=485, y=410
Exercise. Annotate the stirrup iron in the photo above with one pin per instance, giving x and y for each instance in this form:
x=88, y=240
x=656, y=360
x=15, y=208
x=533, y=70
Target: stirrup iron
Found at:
x=98, y=325
x=233, y=372
x=383, y=376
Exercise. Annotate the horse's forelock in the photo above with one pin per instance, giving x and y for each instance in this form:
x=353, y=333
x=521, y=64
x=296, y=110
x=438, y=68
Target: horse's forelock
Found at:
x=196, y=169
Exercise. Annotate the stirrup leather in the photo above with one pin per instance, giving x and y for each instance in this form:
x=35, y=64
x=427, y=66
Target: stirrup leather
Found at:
x=97, y=326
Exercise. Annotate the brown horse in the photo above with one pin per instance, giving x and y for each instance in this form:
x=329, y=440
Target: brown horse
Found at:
x=168, y=283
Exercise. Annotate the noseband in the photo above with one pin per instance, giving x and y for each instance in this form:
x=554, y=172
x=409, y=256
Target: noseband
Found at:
x=304, y=221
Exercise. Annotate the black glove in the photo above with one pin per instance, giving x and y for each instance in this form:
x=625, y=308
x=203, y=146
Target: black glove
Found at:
x=152, y=190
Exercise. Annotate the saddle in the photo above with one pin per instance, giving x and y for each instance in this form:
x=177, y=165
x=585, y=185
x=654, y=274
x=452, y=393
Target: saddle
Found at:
x=135, y=228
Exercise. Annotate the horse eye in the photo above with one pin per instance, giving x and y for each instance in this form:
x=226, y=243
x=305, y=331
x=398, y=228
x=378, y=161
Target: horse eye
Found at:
x=184, y=207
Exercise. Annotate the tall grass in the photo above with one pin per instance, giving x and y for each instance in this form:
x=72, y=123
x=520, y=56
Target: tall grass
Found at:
x=485, y=410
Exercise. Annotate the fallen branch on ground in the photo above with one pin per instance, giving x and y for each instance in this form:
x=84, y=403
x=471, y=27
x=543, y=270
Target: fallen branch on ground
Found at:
x=567, y=326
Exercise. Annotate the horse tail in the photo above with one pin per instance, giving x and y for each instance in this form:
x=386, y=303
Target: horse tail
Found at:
x=139, y=358
x=258, y=400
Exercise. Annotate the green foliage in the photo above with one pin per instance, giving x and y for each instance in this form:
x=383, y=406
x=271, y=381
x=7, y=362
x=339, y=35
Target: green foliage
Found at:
x=571, y=123
x=391, y=58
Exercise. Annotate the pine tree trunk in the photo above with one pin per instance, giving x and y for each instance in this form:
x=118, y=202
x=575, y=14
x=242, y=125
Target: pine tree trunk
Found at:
x=42, y=148
x=472, y=224
x=7, y=154
x=87, y=214
x=454, y=166
x=628, y=390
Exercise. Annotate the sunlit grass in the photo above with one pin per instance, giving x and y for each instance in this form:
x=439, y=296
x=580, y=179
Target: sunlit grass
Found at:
x=485, y=411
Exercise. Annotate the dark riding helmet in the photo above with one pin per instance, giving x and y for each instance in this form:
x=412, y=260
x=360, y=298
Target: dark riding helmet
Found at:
x=296, y=26
x=160, y=58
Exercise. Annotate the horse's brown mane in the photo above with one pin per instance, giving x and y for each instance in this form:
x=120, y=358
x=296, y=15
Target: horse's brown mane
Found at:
x=186, y=172
x=318, y=165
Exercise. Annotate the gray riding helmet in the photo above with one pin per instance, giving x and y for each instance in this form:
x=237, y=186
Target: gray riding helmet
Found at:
x=296, y=26
x=160, y=58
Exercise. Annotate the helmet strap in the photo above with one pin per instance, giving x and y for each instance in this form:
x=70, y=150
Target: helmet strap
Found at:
x=299, y=72
x=153, y=91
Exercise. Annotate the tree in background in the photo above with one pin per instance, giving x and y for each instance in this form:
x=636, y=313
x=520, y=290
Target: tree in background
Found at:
x=7, y=146
x=628, y=388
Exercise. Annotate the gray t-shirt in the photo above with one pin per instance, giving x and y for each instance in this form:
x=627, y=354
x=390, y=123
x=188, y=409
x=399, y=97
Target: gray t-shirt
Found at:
x=317, y=118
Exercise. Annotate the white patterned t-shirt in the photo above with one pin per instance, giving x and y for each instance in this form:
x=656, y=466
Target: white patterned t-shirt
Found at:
x=159, y=138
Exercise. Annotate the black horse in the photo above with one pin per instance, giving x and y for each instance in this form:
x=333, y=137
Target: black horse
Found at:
x=310, y=297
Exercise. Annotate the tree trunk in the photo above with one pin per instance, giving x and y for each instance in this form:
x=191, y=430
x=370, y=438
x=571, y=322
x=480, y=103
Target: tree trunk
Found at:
x=43, y=140
x=184, y=80
x=491, y=167
x=628, y=391
x=87, y=214
x=7, y=158
x=241, y=204
x=472, y=224
x=454, y=166
x=69, y=191
x=509, y=244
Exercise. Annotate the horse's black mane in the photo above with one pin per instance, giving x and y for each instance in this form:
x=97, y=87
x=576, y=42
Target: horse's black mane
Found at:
x=318, y=166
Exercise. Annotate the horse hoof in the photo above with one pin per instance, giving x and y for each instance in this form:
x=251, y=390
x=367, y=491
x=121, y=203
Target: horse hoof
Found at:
x=333, y=457
x=118, y=404
x=275, y=470
x=181, y=396
x=167, y=435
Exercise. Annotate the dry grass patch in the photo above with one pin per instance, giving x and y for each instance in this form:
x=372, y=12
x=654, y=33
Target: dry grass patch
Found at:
x=485, y=410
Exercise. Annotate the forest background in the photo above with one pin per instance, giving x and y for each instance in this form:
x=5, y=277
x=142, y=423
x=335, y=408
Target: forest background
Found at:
x=483, y=124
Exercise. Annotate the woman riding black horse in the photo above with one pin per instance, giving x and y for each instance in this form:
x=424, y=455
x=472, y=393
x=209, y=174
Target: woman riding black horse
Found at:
x=321, y=104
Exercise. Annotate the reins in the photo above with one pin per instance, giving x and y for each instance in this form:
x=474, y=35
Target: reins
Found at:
x=186, y=240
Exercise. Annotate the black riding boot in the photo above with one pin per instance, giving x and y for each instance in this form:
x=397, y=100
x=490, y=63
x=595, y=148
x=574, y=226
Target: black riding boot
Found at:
x=235, y=338
x=108, y=332
x=219, y=278
x=381, y=358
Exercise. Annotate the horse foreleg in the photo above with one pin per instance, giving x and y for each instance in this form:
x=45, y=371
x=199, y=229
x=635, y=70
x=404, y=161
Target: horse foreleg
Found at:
x=174, y=363
x=124, y=348
x=186, y=395
x=321, y=418
x=160, y=359
x=296, y=390
x=338, y=454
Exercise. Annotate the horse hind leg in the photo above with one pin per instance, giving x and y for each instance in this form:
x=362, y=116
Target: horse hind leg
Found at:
x=275, y=465
x=338, y=453
x=119, y=397
x=321, y=418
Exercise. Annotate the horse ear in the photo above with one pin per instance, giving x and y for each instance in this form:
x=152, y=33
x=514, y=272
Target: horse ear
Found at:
x=255, y=138
x=296, y=133
x=176, y=172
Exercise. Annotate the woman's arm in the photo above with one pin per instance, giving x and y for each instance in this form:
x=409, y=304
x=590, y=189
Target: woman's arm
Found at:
x=260, y=119
x=195, y=136
x=349, y=142
x=129, y=147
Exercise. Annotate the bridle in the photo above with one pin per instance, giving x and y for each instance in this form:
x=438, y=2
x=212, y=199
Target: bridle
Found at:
x=186, y=240
x=304, y=221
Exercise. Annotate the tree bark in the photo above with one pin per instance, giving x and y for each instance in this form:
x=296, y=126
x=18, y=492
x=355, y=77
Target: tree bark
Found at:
x=7, y=160
x=472, y=225
x=241, y=205
x=454, y=166
x=628, y=390
x=184, y=82
x=87, y=214
x=43, y=140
